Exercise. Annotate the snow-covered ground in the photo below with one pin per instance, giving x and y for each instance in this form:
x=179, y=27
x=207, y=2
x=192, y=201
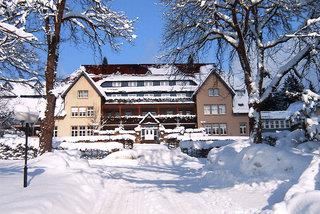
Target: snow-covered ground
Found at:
x=236, y=178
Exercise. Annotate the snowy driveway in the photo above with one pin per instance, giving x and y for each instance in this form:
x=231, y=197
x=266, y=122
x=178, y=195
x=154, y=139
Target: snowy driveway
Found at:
x=163, y=181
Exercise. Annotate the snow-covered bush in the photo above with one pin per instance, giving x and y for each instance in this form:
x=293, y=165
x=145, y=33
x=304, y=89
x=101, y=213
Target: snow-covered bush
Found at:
x=17, y=152
x=306, y=115
x=254, y=161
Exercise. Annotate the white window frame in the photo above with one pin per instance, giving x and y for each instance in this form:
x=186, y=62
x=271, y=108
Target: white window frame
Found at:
x=90, y=111
x=223, y=129
x=74, y=111
x=222, y=109
x=208, y=129
x=206, y=109
x=213, y=92
x=148, y=83
x=74, y=131
x=83, y=94
x=164, y=83
x=90, y=130
x=82, y=111
x=132, y=84
x=116, y=84
x=215, y=129
x=82, y=131
x=215, y=109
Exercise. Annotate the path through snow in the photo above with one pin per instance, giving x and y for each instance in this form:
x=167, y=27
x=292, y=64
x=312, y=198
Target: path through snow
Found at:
x=164, y=181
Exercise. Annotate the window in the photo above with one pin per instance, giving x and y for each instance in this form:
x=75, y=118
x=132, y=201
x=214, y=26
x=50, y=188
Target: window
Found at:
x=90, y=111
x=223, y=129
x=89, y=130
x=181, y=94
x=215, y=129
x=116, y=95
x=180, y=112
x=276, y=124
x=132, y=84
x=140, y=83
x=83, y=94
x=148, y=83
x=287, y=123
x=74, y=131
x=82, y=131
x=206, y=109
x=55, y=131
x=172, y=83
x=243, y=128
x=267, y=124
x=148, y=95
x=214, y=109
x=213, y=92
x=82, y=112
x=282, y=124
x=106, y=84
x=222, y=109
x=173, y=94
x=116, y=84
x=156, y=83
x=164, y=83
x=271, y=124
x=188, y=112
x=130, y=95
x=164, y=95
x=207, y=128
x=74, y=112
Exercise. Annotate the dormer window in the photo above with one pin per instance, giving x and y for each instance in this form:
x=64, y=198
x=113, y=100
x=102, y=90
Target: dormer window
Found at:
x=116, y=84
x=83, y=94
x=213, y=92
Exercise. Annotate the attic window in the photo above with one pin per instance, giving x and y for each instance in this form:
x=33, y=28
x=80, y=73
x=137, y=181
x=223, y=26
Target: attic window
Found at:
x=240, y=104
x=83, y=94
x=213, y=92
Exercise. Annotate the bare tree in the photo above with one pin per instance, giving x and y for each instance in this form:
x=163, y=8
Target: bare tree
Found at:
x=254, y=32
x=89, y=21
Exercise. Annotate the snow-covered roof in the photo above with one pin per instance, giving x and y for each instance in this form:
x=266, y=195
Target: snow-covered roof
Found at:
x=97, y=75
x=30, y=88
x=275, y=114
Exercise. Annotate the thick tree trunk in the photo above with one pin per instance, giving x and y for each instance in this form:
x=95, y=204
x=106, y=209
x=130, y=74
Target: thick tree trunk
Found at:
x=47, y=124
x=53, y=40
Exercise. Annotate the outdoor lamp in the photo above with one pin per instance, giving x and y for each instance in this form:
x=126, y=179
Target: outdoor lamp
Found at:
x=26, y=116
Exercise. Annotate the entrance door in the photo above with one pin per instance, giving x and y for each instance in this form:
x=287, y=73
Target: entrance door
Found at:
x=149, y=134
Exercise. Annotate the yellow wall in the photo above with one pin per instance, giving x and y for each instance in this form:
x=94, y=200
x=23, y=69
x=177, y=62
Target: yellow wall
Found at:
x=72, y=100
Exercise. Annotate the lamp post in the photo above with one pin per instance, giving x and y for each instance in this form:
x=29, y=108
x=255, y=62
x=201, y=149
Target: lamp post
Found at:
x=27, y=117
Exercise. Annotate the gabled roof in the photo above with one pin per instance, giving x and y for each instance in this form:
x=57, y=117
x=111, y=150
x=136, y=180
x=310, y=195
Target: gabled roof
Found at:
x=85, y=75
x=213, y=72
x=149, y=115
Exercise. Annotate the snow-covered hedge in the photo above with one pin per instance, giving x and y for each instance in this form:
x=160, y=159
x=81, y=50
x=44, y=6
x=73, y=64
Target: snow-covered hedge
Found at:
x=243, y=161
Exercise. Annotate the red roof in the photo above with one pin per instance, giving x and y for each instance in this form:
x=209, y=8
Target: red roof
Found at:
x=138, y=68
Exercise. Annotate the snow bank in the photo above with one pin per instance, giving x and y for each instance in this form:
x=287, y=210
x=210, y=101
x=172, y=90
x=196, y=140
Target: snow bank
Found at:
x=256, y=162
x=124, y=154
x=109, y=146
x=58, y=182
x=302, y=197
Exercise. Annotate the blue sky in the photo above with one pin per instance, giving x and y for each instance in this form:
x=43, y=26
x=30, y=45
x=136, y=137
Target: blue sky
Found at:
x=144, y=50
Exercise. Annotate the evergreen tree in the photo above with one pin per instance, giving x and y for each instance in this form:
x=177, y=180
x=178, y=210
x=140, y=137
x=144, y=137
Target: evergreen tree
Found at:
x=105, y=61
x=281, y=99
